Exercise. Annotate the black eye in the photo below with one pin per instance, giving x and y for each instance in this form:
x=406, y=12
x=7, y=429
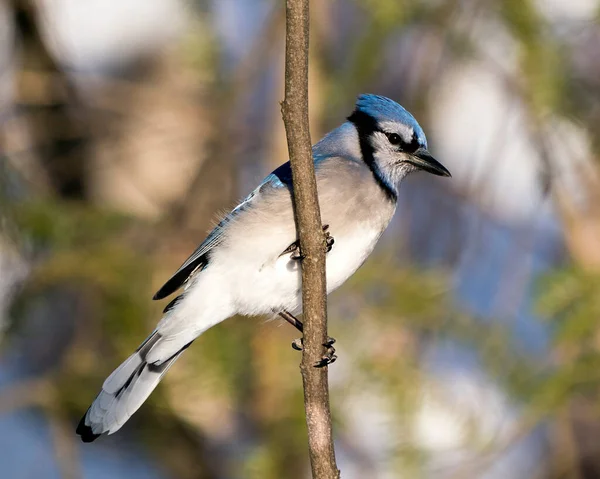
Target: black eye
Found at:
x=394, y=138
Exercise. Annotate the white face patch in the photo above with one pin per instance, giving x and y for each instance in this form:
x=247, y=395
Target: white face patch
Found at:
x=392, y=163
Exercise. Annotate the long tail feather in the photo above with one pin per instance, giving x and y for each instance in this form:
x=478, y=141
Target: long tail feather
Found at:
x=125, y=390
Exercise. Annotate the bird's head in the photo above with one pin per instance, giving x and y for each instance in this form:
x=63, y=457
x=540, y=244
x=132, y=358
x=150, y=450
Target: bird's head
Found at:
x=391, y=140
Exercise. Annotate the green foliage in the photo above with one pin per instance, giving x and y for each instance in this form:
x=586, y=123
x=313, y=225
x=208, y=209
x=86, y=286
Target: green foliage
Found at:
x=407, y=308
x=200, y=50
x=85, y=250
x=64, y=225
x=570, y=300
x=542, y=60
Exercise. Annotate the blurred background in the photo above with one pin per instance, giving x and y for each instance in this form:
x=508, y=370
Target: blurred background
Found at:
x=469, y=343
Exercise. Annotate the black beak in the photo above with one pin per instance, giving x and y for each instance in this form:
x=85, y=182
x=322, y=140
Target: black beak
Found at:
x=423, y=160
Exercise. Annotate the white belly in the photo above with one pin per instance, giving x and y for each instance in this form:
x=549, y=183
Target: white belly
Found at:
x=348, y=254
x=276, y=285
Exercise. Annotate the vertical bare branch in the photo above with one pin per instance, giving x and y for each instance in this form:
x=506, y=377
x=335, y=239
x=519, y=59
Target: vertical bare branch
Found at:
x=312, y=241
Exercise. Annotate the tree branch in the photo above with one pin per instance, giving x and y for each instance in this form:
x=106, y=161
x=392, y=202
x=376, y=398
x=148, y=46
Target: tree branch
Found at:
x=312, y=241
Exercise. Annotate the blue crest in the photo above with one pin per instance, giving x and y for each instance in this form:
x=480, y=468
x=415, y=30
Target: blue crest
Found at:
x=381, y=109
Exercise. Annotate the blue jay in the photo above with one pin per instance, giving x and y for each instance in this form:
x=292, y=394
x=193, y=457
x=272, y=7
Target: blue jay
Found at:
x=249, y=263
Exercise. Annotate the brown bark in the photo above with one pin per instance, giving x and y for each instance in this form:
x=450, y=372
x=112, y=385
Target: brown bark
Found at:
x=312, y=241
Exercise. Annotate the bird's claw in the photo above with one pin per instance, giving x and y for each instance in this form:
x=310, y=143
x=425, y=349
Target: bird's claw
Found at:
x=328, y=358
x=296, y=255
x=329, y=240
x=294, y=248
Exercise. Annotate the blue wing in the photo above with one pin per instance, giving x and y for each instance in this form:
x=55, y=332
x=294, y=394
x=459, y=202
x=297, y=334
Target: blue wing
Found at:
x=199, y=259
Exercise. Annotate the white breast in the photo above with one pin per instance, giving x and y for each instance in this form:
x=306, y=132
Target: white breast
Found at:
x=276, y=284
x=261, y=281
x=349, y=252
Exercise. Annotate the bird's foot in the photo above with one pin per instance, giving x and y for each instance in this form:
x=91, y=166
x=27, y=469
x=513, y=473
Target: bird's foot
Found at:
x=328, y=358
x=296, y=254
x=329, y=240
x=294, y=248
x=297, y=344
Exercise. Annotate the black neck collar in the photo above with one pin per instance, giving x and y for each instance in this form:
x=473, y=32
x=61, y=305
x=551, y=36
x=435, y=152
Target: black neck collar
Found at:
x=365, y=126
